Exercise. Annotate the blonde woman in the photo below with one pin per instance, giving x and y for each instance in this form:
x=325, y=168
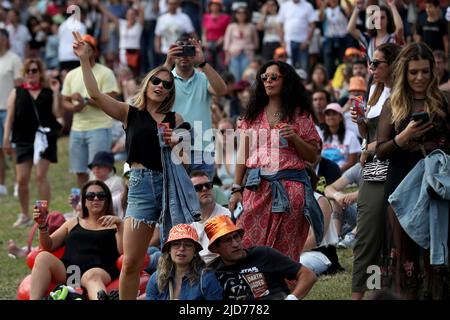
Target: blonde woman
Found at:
x=405, y=141
x=35, y=103
x=181, y=274
x=152, y=106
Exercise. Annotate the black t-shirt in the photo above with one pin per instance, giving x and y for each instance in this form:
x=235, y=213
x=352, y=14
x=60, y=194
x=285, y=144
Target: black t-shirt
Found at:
x=432, y=34
x=142, y=143
x=260, y=275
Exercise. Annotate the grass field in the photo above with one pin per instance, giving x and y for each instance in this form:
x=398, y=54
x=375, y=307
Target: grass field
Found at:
x=336, y=287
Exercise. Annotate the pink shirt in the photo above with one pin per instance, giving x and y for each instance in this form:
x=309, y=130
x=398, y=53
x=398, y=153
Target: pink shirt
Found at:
x=215, y=26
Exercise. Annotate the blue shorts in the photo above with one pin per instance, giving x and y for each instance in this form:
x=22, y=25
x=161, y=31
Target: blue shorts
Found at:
x=2, y=126
x=145, y=195
x=83, y=145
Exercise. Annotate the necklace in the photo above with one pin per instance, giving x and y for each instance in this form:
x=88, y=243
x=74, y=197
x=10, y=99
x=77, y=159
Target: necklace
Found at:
x=273, y=118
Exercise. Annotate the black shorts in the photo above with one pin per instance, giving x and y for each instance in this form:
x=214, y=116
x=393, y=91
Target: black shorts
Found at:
x=25, y=151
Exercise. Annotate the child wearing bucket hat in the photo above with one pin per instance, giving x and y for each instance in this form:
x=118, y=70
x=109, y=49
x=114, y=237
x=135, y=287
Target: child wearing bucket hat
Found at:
x=254, y=273
x=181, y=273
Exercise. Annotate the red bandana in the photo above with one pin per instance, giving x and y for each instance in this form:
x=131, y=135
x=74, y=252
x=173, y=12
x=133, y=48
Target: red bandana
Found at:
x=33, y=87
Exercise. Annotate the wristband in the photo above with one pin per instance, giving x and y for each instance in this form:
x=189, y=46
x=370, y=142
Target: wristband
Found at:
x=395, y=142
x=201, y=65
x=43, y=227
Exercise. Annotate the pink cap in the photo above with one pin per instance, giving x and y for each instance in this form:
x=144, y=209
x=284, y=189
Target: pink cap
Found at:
x=335, y=107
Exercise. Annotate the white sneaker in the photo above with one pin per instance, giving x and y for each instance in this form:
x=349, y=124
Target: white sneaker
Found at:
x=3, y=190
x=23, y=221
x=16, y=190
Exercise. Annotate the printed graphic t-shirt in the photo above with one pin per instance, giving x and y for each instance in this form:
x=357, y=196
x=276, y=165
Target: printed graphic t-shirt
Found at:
x=260, y=275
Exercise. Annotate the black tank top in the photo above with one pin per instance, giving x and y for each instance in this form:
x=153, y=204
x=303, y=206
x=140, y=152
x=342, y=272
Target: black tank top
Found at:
x=25, y=122
x=142, y=143
x=91, y=248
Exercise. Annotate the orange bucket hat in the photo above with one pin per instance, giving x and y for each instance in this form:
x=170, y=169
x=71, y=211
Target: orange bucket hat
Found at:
x=182, y=231
x=91, y=40
x=218, y=227
x=357, y=84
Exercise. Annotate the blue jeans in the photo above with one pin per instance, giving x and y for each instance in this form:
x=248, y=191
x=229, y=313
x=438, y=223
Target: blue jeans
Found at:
x=145, y=195
x=83, y=145
x=238, y=65
x=333, y=51
x=300, y=58
x=2, y=124
x=349, y=215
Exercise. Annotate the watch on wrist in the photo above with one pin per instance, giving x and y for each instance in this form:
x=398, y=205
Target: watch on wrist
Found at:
x=201, y=65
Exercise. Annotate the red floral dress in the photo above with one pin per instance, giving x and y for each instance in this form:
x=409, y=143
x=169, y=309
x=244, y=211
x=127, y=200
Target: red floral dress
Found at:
x=285, y=232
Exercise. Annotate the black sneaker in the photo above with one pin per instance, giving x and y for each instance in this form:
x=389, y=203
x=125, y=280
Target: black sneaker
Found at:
x=102, y=295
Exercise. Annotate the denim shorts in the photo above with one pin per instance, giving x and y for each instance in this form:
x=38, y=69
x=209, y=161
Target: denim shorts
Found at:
x=2, y=126
x=145, y=195
x=83, y=145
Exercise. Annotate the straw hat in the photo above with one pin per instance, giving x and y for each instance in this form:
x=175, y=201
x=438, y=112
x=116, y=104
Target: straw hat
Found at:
x=182, y=231
x=218, y=227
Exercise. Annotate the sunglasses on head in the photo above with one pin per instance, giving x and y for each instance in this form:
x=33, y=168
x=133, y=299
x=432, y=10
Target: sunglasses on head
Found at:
x=375, y=63
x=33, y=70
x=100, y=196
x=199, y=187
x=166, y=84
x=271, y=76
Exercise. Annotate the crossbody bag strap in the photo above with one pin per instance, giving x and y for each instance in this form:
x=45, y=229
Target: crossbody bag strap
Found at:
x=34, y=108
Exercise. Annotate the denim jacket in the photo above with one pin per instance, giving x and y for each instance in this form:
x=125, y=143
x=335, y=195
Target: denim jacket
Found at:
x=180, y=203
x=423, y=217
x=208, y=288
x=280, y=200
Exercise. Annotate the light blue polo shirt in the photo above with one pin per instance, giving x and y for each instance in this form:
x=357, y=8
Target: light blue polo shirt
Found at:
x=193, y=103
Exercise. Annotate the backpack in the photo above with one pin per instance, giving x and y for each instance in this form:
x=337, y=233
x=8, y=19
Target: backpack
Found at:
x=55, y=219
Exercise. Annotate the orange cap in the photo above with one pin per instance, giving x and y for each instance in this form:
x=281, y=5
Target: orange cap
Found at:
x=91, y=40
x=182, y=231
x=215, y=1
x=352, y=51
x=218, y=227
x=357, y=84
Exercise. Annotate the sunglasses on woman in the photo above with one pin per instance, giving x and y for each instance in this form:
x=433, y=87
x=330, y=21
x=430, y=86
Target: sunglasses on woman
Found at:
x=199, y=187
x=166, y=84
x=271, y=76
x=100, y=196
x=375, y=63
x=33, y=70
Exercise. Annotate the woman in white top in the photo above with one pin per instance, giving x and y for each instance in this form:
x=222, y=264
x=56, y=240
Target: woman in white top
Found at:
x=339, y=145
x=130, y=31
x=268, y=23
x=387, y=26
x=371, y=197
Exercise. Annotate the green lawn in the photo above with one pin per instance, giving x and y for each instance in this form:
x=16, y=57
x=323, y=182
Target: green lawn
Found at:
x=12, y=271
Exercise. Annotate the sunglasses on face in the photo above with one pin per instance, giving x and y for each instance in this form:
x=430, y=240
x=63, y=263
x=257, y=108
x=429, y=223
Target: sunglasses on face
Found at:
x=271, y=76
x=185, y=244
x=32, y=70
x=375, y=63
x=166, y=84
x=199, y=187
x=100, y=196
x=229, y=239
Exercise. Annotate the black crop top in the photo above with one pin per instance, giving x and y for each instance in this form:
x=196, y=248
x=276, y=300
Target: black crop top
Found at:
x=142, y=143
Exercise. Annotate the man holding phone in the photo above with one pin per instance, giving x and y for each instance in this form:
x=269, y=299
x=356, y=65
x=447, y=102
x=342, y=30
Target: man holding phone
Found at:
x=209, y=209
x=194, y=91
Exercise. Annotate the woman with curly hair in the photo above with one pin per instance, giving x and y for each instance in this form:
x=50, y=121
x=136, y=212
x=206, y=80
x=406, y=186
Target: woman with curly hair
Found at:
x=405, y=142
x=277, y=137
x=181, y=273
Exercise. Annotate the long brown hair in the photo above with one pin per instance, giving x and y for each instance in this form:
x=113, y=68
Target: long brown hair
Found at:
x=390, y=52
x=166, y=266
x=401, y=98
x=140, y=99
x=107, y=209
x=42, y=70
